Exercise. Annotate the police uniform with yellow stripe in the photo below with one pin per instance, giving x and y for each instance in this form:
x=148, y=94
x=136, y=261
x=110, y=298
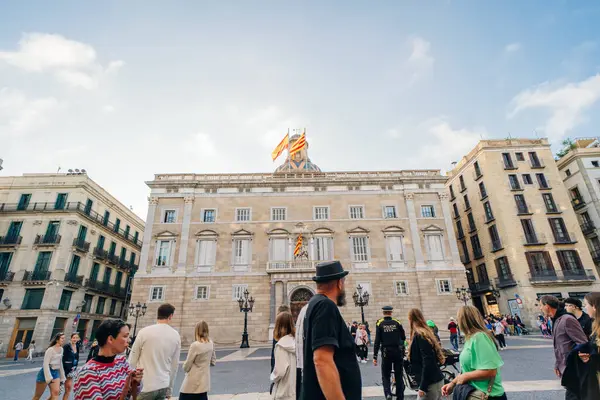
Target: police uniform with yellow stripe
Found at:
x=390, y=337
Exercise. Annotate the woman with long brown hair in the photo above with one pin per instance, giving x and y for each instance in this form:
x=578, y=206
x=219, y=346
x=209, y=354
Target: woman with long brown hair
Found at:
x=425, y=355
x=52, y=374
x=479, y=361
x=591, y=356
x=284, y=373
x=200, y=358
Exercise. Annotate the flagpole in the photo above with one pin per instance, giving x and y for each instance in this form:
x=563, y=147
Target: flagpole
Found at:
x=305, y=146
x=288, y=149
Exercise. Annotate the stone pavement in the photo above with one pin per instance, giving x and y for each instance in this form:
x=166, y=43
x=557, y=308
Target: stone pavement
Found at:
x=242, y=374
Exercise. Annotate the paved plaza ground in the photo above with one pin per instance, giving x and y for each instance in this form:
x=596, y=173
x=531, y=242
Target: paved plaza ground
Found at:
x=243, y=374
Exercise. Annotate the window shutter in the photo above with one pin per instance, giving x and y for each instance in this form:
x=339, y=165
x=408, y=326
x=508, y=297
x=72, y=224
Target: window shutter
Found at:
x=157, y=252
x=577, y=259
x=395, y=248
x=561, y=260
x=549, y=264
x=245, y=252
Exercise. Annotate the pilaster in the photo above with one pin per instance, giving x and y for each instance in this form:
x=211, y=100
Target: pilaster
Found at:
x=451, y=236
x=152, y=203
x=185, y=232
x=414, y=229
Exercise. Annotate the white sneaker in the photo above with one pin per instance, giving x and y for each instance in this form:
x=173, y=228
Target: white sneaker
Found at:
x=363, y=361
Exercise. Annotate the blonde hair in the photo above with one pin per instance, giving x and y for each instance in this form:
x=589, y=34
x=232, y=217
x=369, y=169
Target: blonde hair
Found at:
x=593, y=300
x=471, y=322
x=284, y=325
x=418, y=326
x=201, y=332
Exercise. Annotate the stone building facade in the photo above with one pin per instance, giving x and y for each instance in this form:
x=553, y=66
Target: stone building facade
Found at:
x=210, y=237
x=67, y=252
x=518, y=235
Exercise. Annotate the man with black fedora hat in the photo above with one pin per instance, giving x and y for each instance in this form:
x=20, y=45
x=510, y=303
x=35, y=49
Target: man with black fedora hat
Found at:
x=331, y=370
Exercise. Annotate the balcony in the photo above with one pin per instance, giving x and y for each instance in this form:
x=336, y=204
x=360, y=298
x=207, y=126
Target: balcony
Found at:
x=74, y=279
x=77, y=207
x=595, y=255
x=496, y=245
x=577, y=276
x=6, y=277
x=10, y=241
x=47, y=240
x=293, y=266
x=565, y=238
x=105, y=288
x=533, y=239
x=588, y=228
x=478, y=288
x=505, y=281
x=81, y=245
x=32, y=277
x=100, y=253
x=578, y=203
x=112, y=259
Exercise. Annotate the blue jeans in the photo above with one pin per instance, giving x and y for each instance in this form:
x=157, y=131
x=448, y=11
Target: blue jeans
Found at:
x=454, y=340
x=16, y=355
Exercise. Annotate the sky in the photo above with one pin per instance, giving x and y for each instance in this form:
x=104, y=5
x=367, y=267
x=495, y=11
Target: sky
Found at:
x=129, y=89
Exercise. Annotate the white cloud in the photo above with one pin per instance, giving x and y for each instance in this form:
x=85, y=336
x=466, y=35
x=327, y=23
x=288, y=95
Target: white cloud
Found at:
x=20, y=114
x=420, y=60
x=512, y=47
x=567, y=104
x=202, y=144
x=71, y=62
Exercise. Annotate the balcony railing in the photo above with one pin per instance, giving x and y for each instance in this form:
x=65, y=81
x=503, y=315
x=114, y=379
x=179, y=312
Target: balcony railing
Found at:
x=595, y=255
x=6, y=276
x=81, y=245
x=113, y=259
x=276, y=266
x=497, y=245
x=10, y=241
x=105, y=288
x=534, y=239
x=588, y=227
x=577, y=202
x=73, y=278
x=565, y=238
x=100, y=253
x=47, y=240
x=480, y=287
x=505, y=281
x=77, y=207
x=550, y=276
x=36, y=276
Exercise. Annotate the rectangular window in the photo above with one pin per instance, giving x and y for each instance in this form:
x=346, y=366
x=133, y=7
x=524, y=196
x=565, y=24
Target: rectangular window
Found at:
x=429, y=211
x=117, y=225
x=357, y=212
x=241, y=252
x=471, y=220
x=595, y=164
x=51, y=232
x=65, y=300
x=514, y=182
x=100, y=305
x=476, y=245
x=323, y=248
x=132, y=258
x=87, y=303
x=559, y=230
x=107, y=275
x=568, y=172
x=519, y=156
x=359, y=249
x=163, y=253
x=157, y=293
x=100, y=244
x=549, y=202
x=503, y=268
x=389, y=212
x=569, y=260
x=112, y=249
x=88, y=206
x=136, y=235
x=279, y=251
x=74, y=267
x=118, y=279
x=395, y=249
x=169, y=217
x=459, y=230
x=61, y=201
x=24, y=201
x=238, y=291
x=278, y=214
x=466, y=258
x=575, y=194
x=529, y=231
x=94, y=272
x=521, y=204
x=482, y=190
x=462, y=183
x=482, y=274
x=5, y=259
x=540, y=263
x=82, y=234
x=123, y=255
x=467, y=203
x=527, y=179
x=444, y=286
x=435, y=247
x=534, y=160
x=495, y=238
x=106, y=218
x=507, y=159
x=542, y=182
x=242, y=214
x=451, y=192
x=202, y=292
x=209, y=215
x=401, y=288
x=207, y=253
x=455, y=209
x=14, y=230
x=127, y=229
x=477, y=169
x=33, y=299
x=487, y=208
x=113, y=307
x=43, y=262
x=321, y=213
x=59, y=326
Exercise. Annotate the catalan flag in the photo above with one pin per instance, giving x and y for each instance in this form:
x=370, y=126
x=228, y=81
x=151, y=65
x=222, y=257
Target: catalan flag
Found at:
x=280, y=147
x=298, y=247
x=299, y=145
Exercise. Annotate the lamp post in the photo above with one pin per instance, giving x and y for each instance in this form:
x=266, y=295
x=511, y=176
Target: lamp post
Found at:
x=246, y=303
x=463, y=294
x=361, y=299
x=137, y=311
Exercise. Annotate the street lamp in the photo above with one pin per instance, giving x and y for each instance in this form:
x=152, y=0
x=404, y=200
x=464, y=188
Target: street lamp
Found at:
x=463, y=294
x=246, y=304
x=361, y=299
x=137, y=311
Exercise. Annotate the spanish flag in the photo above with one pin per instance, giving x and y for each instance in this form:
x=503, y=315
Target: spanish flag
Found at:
x=280, y=147
x=299, y=145
x=298, y=247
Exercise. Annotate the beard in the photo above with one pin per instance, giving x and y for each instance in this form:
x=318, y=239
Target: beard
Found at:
x=341, y=298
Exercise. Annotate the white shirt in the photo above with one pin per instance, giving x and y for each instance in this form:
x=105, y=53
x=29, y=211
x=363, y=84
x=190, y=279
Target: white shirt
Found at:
x=156, y=349
x=499, y=328
x=300, y=337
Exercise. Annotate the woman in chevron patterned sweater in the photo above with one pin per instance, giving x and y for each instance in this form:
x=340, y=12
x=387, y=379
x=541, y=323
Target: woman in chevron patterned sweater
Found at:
x=108, y=376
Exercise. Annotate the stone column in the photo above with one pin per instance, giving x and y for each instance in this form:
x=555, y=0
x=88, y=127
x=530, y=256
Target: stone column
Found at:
x=284, y=299
x=185, y=233
x=414, y=229
x=451, y=236
x=152, y=203
x=272, y=305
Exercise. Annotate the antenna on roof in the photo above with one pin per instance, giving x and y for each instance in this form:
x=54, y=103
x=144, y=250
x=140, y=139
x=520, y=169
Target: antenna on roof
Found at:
x=58, y=170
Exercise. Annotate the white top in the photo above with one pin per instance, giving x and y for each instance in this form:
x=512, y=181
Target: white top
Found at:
x=361, y=337
x=53, y=360
x=156, y=349
x=498, y=328
x=300, y=337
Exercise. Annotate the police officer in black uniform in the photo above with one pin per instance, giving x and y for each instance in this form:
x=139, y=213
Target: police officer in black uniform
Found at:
x=390, y=336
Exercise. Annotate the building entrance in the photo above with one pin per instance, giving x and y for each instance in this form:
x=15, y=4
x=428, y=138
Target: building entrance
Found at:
x=298, y=299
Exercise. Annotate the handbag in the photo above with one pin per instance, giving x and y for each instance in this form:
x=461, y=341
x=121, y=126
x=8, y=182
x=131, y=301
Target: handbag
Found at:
x=466, y=391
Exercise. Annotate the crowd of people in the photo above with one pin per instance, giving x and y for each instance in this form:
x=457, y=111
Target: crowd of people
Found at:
x=318, y=355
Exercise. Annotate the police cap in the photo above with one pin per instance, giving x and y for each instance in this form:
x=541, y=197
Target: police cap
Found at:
x=387, y=308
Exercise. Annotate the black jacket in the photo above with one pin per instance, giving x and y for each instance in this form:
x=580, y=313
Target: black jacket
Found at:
x=580, y=377
x=70, y=359
x=424, y=363
x=93, y=353
x=586, y=324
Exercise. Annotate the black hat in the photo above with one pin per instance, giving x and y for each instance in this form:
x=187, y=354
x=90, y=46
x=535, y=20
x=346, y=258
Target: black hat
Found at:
x=387, y=308
x=329, y=271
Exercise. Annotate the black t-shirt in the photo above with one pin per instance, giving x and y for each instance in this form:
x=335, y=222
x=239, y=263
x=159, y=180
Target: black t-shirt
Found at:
x=586, y=324
x=324, y=326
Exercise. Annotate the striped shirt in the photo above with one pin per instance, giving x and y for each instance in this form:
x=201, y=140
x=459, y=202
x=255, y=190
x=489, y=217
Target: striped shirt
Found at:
x=102, y=381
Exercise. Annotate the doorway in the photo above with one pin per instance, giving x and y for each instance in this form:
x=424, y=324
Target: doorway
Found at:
x=478, y=303
x=298, y=299
x=24, y=328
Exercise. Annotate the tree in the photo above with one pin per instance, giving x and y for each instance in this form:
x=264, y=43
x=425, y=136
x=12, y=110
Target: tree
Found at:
x=568, y=145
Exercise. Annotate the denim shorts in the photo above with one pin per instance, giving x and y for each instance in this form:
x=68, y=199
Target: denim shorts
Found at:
x=41, y=378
